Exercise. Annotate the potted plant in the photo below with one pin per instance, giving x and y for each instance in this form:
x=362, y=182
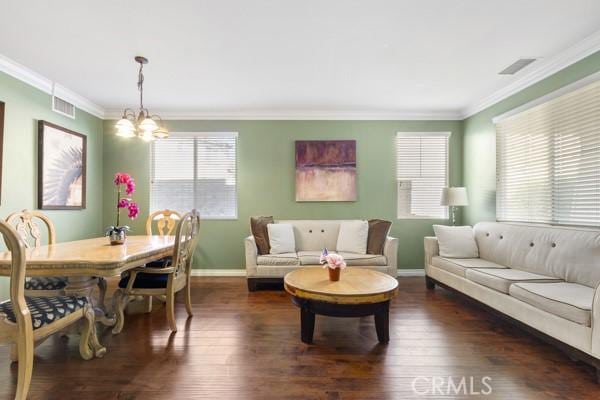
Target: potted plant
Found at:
x=117, y=233
x=334, y=264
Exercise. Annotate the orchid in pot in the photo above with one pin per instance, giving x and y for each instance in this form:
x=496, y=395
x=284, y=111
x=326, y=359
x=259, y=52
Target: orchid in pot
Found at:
x=124, y=184
x=334, y=264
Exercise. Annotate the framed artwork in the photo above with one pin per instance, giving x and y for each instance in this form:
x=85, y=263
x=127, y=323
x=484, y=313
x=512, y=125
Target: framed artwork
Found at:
x=326, y=170
x=1, y=144
x=62, y=157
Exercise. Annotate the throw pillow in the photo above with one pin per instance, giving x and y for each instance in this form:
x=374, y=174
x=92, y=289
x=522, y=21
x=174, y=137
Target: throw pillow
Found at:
x=281, y=238
x=456, y=241
x=353, y=237
x=258, y=226
x=378, y=231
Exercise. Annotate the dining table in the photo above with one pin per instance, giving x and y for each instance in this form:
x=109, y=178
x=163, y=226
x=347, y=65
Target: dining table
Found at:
x=83, y=262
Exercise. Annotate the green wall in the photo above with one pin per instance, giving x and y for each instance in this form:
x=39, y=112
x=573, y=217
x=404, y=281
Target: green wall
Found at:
x=25, y=105
x=479, y=139
x=266, y=179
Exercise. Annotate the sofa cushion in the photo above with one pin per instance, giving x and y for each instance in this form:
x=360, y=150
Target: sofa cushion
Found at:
x=315, y=234
x=279, y=271
x=361, y=260
x=568, y=253
x=458, y=266
x=353, y=237
x=278, y=259
x=310, y=257
x=500, y=279
x=281, y=238
x=258, y=226
x=378, y=232
x=456, y=241
x=571, y=301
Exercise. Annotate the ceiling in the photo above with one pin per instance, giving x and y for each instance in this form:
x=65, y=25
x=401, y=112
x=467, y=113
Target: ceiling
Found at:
x=291, y=57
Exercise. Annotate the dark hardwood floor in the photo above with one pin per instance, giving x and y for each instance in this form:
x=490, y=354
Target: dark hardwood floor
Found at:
x=242, y=345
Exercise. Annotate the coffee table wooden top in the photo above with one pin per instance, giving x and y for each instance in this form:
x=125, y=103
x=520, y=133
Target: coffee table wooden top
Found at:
x=356, y=286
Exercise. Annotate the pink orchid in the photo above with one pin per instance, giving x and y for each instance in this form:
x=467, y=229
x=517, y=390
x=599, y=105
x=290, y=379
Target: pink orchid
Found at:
x=121, y=178
x=333, y=261
x=130, y=186
x=133, y=210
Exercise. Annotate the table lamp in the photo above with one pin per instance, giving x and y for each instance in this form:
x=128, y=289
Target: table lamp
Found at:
x=453, y=197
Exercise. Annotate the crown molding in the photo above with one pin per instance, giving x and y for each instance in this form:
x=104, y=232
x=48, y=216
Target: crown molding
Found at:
x=543, y=69
x=534, y=73
x=24, y=74
x=300, y=115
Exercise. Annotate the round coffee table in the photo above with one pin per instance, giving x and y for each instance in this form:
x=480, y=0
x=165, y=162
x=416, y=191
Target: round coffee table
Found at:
x=358, y=293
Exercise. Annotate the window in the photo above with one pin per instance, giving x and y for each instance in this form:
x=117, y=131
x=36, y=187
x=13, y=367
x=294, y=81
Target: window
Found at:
x=421, y=173
x=195, y=170
x=548, y=159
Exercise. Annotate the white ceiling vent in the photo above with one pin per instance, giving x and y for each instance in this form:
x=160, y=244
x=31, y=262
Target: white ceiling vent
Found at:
x=63, y=107
x=517, y=66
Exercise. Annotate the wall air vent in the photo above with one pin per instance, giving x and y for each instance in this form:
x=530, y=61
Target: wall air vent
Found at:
x=63, y=107
x=516, y=66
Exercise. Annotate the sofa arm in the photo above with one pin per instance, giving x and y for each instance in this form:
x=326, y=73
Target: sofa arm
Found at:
x=432, y=249
x=390, y=251
x=251, y=255
x=596, y=324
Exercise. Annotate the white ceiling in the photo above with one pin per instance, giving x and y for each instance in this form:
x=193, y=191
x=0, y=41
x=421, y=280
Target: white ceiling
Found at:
x=291, y=56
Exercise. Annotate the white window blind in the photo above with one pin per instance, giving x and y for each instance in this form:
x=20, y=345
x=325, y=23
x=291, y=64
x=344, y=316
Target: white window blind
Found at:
x=421, y=173
x=548, y=161
x=195, y=170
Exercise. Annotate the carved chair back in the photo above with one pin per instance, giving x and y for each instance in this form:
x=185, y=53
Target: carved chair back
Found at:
x=166, y=221
x=16, y=246
x=26, y=225
x=186, y=240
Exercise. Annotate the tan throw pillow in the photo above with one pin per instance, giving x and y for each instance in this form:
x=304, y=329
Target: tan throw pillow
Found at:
x=258, y=226
x=378, y=232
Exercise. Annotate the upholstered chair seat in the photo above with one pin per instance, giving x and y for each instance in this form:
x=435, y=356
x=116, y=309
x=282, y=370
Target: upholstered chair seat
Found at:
x=45, y=310
x=45, y=283
x=146, y=281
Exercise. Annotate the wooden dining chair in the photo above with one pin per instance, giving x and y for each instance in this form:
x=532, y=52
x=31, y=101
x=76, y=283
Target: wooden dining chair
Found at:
x=165, y=222
x=25, y=223
x=26, y=320
x=163, y=281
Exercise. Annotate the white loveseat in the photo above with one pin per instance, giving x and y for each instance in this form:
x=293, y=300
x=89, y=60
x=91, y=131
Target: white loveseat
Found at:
x=544, y=277
x=311, y=237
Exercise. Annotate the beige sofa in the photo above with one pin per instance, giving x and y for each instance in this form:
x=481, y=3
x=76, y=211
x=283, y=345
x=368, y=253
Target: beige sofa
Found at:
x=544, y=277
x=311, y=237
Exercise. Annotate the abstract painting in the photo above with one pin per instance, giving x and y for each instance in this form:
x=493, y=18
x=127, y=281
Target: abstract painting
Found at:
x=326, y=170
x=61, y=168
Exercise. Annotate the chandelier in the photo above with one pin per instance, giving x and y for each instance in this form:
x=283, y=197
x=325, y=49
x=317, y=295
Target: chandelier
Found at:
x=143, y=124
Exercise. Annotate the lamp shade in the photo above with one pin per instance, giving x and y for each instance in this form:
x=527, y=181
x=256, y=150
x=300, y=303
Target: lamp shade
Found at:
x=454, y=196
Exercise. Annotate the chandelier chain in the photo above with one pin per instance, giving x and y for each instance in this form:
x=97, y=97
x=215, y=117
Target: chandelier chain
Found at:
x=141, y=85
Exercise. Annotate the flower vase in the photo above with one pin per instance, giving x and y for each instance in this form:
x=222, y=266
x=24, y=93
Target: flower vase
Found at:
x=117, y=237
x=334, y=274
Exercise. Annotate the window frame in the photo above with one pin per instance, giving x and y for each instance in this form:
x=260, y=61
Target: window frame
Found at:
x=447, y=135
x=201, y=134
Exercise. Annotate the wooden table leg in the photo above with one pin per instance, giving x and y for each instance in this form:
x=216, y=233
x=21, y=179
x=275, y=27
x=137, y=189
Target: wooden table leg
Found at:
x=382, y=322
x=83, y=286
x=307, y=324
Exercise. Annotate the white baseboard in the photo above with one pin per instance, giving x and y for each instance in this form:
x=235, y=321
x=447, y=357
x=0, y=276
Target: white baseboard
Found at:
x=242, y=272
x=411, y=272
